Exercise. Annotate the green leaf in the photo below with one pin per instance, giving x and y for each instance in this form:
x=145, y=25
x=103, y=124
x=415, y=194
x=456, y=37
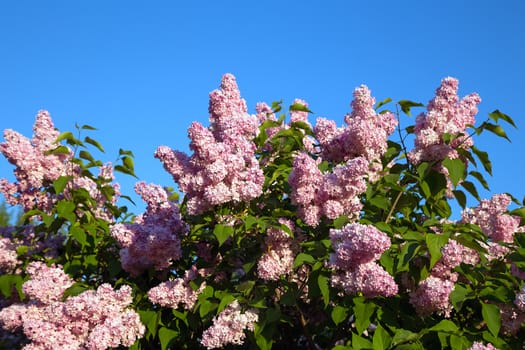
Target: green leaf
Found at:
x=484, y=158
x=491, y=315
x=67, y=135
x=87, y=127
x=222, y=233
x=434, y=243
x=339, y=314
x=404, y=336
x=445, y=326
x=302, y=258
x=382, y=103
x=86, y=155
x=471, y=188
x=95, y=143
x=361, y=343
x=322, y=282
x=461, y=198
x=456, y=169
x=300, y=108
x=128, y=163
x=8, y=283
x=363, y=310
x=79, y=234
x=406, y=105
x=496, y=129
x=124, y=152
x=480, y=178
x=166, y=336
x=60, y=183
x=65, y=209
x=59, y=150
x=496, y=115
x=381, y=339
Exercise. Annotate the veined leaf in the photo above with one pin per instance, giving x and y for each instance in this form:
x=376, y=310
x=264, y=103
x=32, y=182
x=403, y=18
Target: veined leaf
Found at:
x=491, y=315
x=456, y=169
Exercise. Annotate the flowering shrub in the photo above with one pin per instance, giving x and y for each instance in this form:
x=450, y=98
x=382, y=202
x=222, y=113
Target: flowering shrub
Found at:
x=287, y=236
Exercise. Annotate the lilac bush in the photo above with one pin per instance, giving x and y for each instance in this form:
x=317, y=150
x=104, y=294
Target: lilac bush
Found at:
x=287, y=234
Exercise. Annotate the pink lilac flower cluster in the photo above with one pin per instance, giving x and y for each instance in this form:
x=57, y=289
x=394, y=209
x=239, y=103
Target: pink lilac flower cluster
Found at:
x=8, y=256
x=153, y=240
x=281, y=249
x=356, y=248
x=223, y=167
x=36, y=168
x=228, y=327
x=446, y=114
x=365, y=134
x=490, y=216
x=93, y=320
x=432, y=294
x=452, y=255
x=480, y=346
x=330, y=194
x=178, y=291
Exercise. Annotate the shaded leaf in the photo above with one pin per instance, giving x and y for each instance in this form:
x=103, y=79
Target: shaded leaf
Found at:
x=406, y=105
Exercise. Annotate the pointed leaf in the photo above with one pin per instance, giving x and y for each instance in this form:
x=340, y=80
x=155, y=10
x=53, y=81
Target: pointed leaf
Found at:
x=480, y=178
x=95, y=143
x=496, y=115
x=406, y=105
x=497, y=130
x=491, y=315
x=166, y=336
x=456, y=169
x=434, y=243
x=484, y=158
x=469, y=186
x=222, y=233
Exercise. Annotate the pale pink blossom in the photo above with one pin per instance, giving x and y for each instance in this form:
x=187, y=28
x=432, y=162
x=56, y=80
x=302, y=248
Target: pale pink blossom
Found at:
x=154, y=239
x=223, y=167
x=480, y=346
x=330, y=194
x=176, y=292
x=367, y=278
x=446, y=115
x=229, y=327
x=281, y=249
x=432, y=296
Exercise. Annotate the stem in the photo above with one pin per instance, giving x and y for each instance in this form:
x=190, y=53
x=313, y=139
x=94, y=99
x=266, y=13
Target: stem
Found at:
x=304, y=325
x=389, y=216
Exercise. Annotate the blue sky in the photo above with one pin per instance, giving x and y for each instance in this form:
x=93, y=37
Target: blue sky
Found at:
x=141, y=71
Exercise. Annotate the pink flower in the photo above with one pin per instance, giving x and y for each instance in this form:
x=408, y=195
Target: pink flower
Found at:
x=367, y=278
x=331, y=194
x=228, y=327
x=432, y=295
x=446, y=114
x=281, y=249
x=490, y=216
x=356, y=244
x=223, y=167
x=153, y=241
x=365, y=134
x=175, y=292
x=480, y=346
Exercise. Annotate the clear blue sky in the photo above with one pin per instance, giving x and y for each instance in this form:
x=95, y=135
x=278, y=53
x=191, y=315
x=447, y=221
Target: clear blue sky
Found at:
x=141, y=71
